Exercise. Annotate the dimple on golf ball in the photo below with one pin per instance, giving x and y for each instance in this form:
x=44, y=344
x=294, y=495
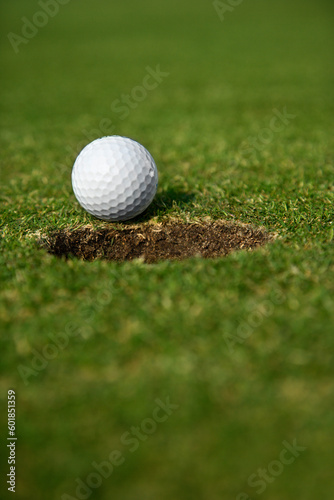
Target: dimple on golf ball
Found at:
x=114, y=178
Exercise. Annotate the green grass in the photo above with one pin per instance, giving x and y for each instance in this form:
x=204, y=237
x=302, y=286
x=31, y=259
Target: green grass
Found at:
x=140, y=332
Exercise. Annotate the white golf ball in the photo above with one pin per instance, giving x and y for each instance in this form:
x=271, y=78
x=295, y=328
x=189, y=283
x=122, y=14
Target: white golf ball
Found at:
x=114, y=178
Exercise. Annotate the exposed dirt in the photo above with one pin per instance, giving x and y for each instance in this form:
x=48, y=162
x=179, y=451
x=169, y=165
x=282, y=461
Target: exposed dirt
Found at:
x=156, y=242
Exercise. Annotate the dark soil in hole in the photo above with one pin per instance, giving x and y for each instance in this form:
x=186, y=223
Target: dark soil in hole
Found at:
x=156, y=242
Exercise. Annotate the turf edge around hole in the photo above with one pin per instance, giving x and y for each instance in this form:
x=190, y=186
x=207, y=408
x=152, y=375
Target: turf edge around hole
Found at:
x=156, y=242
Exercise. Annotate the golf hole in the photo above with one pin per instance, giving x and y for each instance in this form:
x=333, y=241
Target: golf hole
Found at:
x=155, y=242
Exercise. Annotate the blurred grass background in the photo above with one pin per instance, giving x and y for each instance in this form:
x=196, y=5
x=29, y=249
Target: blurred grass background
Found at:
x=147, y=332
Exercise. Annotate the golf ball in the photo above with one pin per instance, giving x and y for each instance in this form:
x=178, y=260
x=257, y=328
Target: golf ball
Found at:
x=114, y=178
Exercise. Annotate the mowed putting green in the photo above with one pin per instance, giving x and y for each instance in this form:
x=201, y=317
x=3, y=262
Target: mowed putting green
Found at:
x=194, y=379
